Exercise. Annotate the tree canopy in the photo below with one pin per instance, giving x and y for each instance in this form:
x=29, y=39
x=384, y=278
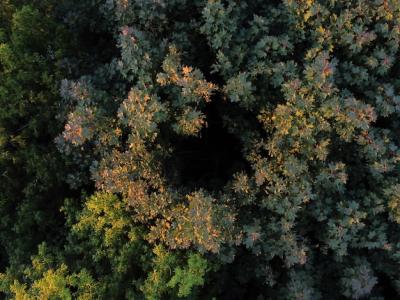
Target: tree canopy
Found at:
x=203, y=149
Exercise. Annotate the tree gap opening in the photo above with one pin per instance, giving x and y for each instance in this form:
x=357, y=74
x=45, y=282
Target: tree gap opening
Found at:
x=209, y=160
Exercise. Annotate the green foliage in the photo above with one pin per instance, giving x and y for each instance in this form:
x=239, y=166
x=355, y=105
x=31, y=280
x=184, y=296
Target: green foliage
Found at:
x=358, y=281
x=156, y=283
x=105, y=240
x=170, y=276
x=192, y=276
x=31, y=49
x=47, y=280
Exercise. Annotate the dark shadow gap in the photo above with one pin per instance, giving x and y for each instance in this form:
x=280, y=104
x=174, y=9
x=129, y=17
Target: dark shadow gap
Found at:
x=209, y=160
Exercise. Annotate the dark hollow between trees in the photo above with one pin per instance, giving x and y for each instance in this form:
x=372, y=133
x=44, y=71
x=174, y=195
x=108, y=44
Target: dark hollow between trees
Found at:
x=209, y=160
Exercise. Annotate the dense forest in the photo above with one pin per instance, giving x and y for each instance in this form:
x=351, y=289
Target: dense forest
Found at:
x=199, y=149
